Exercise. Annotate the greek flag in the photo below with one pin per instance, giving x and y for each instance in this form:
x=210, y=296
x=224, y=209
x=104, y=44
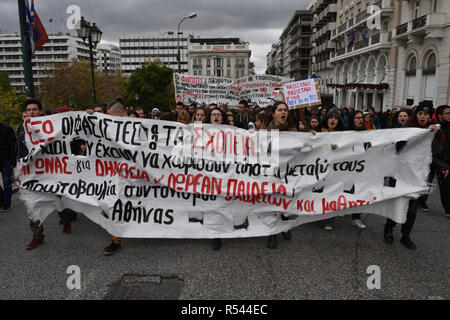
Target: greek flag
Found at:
x=36, y=31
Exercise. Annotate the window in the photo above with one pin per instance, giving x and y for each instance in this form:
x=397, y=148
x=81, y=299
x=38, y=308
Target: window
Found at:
x=228, y=62
x=411, y=78
x=433, y=6
x=208, y=63
x=429, y=77
x=416, y=9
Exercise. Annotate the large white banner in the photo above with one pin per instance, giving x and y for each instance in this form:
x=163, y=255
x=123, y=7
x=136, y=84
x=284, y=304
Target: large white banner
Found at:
x=157, y=179
x=261, y=89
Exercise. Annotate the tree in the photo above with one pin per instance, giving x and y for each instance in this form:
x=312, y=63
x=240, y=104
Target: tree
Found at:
x=5, y=83
x=70, y=83
x=10, y=107
x=153, y=83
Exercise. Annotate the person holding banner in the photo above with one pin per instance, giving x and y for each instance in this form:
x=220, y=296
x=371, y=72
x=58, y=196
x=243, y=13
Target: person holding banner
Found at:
x=443, y=163
x=357, y=124
x=282, y=120
x=34, y=109
x=421, y=119
x=331, y=122
x=117, y=109
x=217, y=116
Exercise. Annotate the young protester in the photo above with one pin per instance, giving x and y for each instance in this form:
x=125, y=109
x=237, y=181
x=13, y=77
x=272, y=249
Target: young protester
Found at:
x=332, y=122
x=116, y=109
x=399, y=119
x=133, y=114
x=368, y=124
x=421, y=119
x=356, y=123
x=282, y=120
x=313, y=124
x=183, y=117
x=7, y=164
x=443, y=159
x=200, y=115
x=243, y=116
x=34, y=108
x=217, y=116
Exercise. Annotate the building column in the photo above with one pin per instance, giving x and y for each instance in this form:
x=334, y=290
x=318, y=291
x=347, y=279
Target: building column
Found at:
x=358, y=100
x=365, y=99
x=374, y=100
x=419, y=84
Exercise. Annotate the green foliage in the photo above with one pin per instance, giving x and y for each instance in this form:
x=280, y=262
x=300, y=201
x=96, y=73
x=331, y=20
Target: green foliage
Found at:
x=153, y=84
x=4, y=81
x=71, y=84
x=10, y=106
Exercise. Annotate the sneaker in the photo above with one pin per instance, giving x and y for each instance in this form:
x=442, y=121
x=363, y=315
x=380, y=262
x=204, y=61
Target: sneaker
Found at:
x=217, y=244
x=111, y=249
x=327, y=227
x=6, y=207
x=272, y=242
x=287, y=235
x=67, y=228
x=423, y=207
x=388, y=236
x=406, y=241
x=34, y=244
x=358, y=223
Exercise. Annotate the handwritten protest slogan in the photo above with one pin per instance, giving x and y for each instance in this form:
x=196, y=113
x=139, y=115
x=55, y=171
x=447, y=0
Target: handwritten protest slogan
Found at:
x=158, y=179
x=261, y=89
x=301, y=93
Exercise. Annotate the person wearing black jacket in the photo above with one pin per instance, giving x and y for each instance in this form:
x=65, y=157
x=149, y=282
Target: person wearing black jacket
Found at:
x=443, y=160
x=7, y=163
x=421, y=119
x=243, y=116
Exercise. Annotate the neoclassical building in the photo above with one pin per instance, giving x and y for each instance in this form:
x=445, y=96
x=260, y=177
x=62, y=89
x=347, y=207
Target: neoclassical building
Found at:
x=423, y=39
x=365, y=58
x=397, y=54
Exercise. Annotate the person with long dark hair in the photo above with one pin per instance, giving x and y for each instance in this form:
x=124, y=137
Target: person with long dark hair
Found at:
x=356, y=123
x=283, y=120
x=421, y=119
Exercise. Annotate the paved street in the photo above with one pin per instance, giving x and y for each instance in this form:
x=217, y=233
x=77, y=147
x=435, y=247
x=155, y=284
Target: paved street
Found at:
x=315, y=265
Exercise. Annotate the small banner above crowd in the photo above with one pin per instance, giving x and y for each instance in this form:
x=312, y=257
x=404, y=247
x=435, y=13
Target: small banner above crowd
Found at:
x=260, y=89
x=144, y=178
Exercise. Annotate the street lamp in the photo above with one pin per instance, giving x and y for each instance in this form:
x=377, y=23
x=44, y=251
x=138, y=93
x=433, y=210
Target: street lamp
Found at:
x=190, y=16
x=136, y=97
x=93, y=34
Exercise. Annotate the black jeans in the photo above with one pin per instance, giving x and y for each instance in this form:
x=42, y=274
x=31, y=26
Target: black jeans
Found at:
x=410, y=219
x=444, y=188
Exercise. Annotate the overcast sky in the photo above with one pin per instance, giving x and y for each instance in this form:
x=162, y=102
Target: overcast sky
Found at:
x=260, y=22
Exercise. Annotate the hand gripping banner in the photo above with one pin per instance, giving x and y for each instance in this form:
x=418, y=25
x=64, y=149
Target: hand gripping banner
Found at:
x=156, y=179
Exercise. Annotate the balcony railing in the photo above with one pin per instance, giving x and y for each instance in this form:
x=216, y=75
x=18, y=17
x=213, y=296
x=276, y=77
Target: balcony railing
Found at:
x=419, y=23
x=375, y=38
x=360, y=16
x=362, y=44
x=342, y=27
x=401, y=29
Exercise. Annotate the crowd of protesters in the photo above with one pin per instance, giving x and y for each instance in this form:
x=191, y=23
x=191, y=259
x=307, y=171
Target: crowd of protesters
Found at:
x=253, y=117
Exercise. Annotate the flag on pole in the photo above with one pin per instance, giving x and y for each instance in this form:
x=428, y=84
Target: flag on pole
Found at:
x=36, y=31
